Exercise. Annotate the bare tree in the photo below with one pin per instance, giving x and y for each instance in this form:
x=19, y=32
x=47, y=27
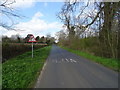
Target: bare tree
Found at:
x=106, y=20
x=66, y=15
x=7, y=12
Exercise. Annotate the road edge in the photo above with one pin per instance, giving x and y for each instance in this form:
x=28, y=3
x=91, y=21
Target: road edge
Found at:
x=40, y=75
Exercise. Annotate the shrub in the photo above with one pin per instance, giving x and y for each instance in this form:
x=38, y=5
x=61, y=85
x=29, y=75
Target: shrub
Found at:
x=10, y=50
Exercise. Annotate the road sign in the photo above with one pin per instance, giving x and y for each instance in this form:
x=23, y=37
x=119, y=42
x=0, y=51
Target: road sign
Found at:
x=32, y=39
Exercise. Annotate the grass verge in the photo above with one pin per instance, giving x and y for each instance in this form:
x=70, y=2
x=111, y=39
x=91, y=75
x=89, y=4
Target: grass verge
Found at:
x=20, y=72
x=107, y=62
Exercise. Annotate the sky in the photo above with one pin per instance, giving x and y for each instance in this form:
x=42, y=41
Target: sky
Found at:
x=40, y=18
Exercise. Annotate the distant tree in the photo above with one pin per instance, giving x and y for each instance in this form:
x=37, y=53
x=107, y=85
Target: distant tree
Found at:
x=62, y=38
x=18, y=39
x=42, y=39
x=28, y=37
x=25, y=40
x=48, y=36
x=48, y=42
x=37, y=38
x=6, y=39
x=49, y=39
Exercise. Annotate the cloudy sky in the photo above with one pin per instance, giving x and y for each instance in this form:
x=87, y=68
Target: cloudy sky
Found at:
x=40, y=18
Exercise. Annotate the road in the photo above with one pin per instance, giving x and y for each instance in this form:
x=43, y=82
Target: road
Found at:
x=67, y=70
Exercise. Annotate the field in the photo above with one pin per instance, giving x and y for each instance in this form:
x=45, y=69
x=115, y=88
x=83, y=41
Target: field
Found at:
x=22, y=71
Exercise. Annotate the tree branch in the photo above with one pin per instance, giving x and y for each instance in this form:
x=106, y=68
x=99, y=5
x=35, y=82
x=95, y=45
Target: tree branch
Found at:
x=95, y=17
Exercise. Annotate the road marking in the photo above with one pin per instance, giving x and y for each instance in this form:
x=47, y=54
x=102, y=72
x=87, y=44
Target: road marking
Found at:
x=67, y=60
x=72, y=60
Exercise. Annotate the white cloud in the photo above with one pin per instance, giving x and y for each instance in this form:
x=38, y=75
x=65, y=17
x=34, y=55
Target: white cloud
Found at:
x=36, y=26
x=38, y=14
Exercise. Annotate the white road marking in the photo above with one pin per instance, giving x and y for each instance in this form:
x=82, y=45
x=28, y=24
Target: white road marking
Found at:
x=72, y=60
x=67, y=60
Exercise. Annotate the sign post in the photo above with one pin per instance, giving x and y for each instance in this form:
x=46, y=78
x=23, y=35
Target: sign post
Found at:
x=32, y=49
x=32, y=39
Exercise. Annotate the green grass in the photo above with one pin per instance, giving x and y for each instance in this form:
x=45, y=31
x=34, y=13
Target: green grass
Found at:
x=22, y=71
x=0, y=76
x=107, y=62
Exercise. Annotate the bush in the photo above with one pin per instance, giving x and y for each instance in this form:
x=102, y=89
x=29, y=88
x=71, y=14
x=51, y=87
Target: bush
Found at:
x=10, y=50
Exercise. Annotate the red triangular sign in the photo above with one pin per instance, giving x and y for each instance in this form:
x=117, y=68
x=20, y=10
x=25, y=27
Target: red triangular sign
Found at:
x=32, y=39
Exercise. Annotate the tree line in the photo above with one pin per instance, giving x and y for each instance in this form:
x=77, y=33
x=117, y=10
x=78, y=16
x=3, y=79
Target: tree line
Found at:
x=93, y=27
x=18, y=39
x=16, y=45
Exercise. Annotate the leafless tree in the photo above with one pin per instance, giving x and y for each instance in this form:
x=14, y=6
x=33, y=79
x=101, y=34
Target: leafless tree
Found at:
x=7, y=12
x=106, y=20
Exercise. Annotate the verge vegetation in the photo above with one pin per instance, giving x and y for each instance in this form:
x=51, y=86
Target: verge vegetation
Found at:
x=91, y=27
x=22, y=71
x=108, y=62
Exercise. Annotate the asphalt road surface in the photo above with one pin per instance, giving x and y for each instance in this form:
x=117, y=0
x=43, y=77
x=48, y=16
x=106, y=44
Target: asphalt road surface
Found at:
x=66, y=70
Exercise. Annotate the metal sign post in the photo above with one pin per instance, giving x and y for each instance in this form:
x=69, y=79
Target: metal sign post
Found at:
x=32, y=39
x=32, y=49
